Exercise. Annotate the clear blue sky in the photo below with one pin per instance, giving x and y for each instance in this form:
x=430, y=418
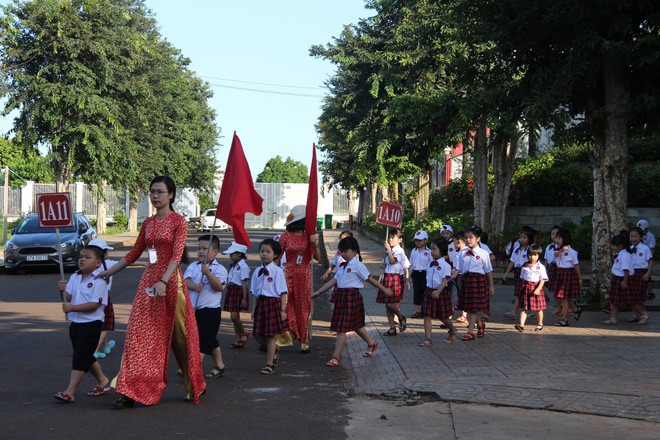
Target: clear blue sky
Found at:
x=260, y=41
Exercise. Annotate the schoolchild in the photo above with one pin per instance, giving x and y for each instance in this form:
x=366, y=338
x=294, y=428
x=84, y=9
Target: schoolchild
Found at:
x=642, y=260
x=531, y=296
x=447, y=233
x=85, y=298
x=420, y=257
x=395, y=267
x=518, y=259
x=551, y=266
x=236, y=298
x=268, y=285
x=455, y=248
x=105, y=346
x=476, y=272
x=483, y=243
x=437, y=298
x=337, y=259
x=348, y=314
x=569, y=280
x=621, y=293
x=649, y=240
x=206, y=279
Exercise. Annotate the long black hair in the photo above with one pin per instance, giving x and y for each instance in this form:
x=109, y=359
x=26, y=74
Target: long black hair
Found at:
x=169, y=183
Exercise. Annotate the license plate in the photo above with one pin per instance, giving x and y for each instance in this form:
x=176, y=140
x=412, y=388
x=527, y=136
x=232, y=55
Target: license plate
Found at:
x=37, y=257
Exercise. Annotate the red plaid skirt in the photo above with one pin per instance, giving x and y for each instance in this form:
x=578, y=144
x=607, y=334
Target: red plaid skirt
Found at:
x=621, y=296
x=349, y=311
x=567, y=285
x=474, y=296
x=517, y=286
x=233, y=298
x=526, y=298
x=637, y=285
x=267, y=317
x=395, y=282
x=552, y=278
x=333, y=295
x=439, y=308
x=109, y=318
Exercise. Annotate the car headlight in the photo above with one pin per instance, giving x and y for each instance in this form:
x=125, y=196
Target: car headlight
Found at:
x=68, y=244
x=9, y=246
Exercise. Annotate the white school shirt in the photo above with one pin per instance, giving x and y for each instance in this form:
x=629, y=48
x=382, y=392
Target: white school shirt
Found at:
x=452, y=252
x=641, y=256
x=485, y=247
x=511, y=248
x=238, y=272
x=419, y=260
x=337, y=259
x=108, y=265
x=550, y=253
x=454, y=255
x=208, y=298
x=622, y=262
x=436, y=273
x=533, y=272
x=84, y=291
x=401, y=263
x=272, y=284
x=567, y=259
x=474, y=260
x=352, y=274
x=649, y=240
x=519, y=257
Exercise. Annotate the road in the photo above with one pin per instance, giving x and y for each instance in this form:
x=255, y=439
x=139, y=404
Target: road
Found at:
x=303, y=399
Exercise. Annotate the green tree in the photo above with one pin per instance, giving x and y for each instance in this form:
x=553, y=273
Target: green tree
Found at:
x=284, y=171
x=25, y=163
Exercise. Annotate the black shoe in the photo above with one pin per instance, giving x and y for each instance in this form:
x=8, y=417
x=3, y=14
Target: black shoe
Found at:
x=578, y=313
x=443, y=326
x=123, y=402
x=390, y=332
x=402, y=324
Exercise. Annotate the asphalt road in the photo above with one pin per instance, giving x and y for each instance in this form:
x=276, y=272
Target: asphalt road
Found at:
x=304, y=399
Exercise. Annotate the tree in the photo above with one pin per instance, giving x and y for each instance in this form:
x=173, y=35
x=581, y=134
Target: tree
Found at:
x=284, y=171
x=25, y=163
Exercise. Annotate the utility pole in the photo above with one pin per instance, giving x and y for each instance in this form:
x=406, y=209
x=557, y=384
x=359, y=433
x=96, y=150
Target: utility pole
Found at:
x=5, y=205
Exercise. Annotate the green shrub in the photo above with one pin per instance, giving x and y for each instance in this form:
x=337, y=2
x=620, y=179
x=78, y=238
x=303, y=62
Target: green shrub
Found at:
x=121, y=221
x=457, y=196
x=205, y=202
x=643, y=184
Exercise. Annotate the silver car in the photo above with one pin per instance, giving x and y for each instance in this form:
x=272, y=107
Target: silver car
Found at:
x=32, y=246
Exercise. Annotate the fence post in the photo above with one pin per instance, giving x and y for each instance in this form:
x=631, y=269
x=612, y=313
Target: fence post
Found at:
x=80, y=196
x=27, y=197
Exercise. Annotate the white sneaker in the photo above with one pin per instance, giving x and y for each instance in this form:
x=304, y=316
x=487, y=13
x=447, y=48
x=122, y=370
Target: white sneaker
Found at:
x=610, y=321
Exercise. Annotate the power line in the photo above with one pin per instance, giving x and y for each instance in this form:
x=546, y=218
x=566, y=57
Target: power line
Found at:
x=266, y=91
x=263, y=84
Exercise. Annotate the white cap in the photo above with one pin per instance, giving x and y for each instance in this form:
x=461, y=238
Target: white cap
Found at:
x=297, y=213
x=235, y=247
x=643, y=225
x=100, y=243
x=421, y=235
x=446, y=228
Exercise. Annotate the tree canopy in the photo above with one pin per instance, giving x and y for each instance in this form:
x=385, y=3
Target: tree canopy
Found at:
x=278, y=170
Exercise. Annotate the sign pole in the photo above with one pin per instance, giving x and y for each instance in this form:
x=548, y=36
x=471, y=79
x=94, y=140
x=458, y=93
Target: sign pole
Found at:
x=59, y=256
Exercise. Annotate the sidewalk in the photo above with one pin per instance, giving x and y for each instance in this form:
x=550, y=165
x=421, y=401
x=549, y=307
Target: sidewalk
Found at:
x=586, y=368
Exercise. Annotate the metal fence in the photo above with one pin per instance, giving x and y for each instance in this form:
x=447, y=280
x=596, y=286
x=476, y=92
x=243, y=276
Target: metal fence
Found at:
x=14, y=198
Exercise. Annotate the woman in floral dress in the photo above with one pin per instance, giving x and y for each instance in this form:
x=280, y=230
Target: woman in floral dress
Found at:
x=299, y=249
x=162, y=315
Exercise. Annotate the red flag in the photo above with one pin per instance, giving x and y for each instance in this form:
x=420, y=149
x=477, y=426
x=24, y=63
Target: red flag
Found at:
x=238, y=195
x=312, y=197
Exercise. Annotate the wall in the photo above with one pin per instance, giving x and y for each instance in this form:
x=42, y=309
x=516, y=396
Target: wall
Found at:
x=543, y=218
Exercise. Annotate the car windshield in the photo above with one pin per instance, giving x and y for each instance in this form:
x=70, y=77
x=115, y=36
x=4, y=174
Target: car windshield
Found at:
x=210, y=213
x=30, y=225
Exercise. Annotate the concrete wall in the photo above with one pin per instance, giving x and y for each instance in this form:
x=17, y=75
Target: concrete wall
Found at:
x=543, y=218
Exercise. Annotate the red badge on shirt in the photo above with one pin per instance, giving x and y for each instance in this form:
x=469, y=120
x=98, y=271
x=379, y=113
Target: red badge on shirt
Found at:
x=270, y=279
x=348, y=270
x=478, y=257
x=89, y=285
x=451, y=249
x=437, y=268
x=640, y=254
x=565, y=253
x=524, y=255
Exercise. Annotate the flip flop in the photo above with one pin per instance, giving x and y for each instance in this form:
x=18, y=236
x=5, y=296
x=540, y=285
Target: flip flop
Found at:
x=108, y=348
x=98, y=391
x=64, y=397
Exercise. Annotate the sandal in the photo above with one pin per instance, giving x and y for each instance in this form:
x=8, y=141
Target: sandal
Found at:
x=538, y=328
x=334, y=362
x=276, y=355
x=481, y=331
x=108, y=348
x=98, y=391
x=561, y=323
x=215, y=372
x=425, y=343
x=578, y=313
x=267, y=369
x=371, y=350
x=468, y=337
x=610, y=321
x=461, y=319
x=415, y=315
x=242, y=342
x=451, y=337
x=64, y=397
x=390, y=332
x=520, y=328
x=402, y=324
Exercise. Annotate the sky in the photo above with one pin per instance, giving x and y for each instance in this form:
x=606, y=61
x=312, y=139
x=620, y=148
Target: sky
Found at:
x=239, y=47
x=245, y=45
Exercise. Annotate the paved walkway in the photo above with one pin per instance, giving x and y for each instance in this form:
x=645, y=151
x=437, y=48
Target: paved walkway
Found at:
x=585, y=368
